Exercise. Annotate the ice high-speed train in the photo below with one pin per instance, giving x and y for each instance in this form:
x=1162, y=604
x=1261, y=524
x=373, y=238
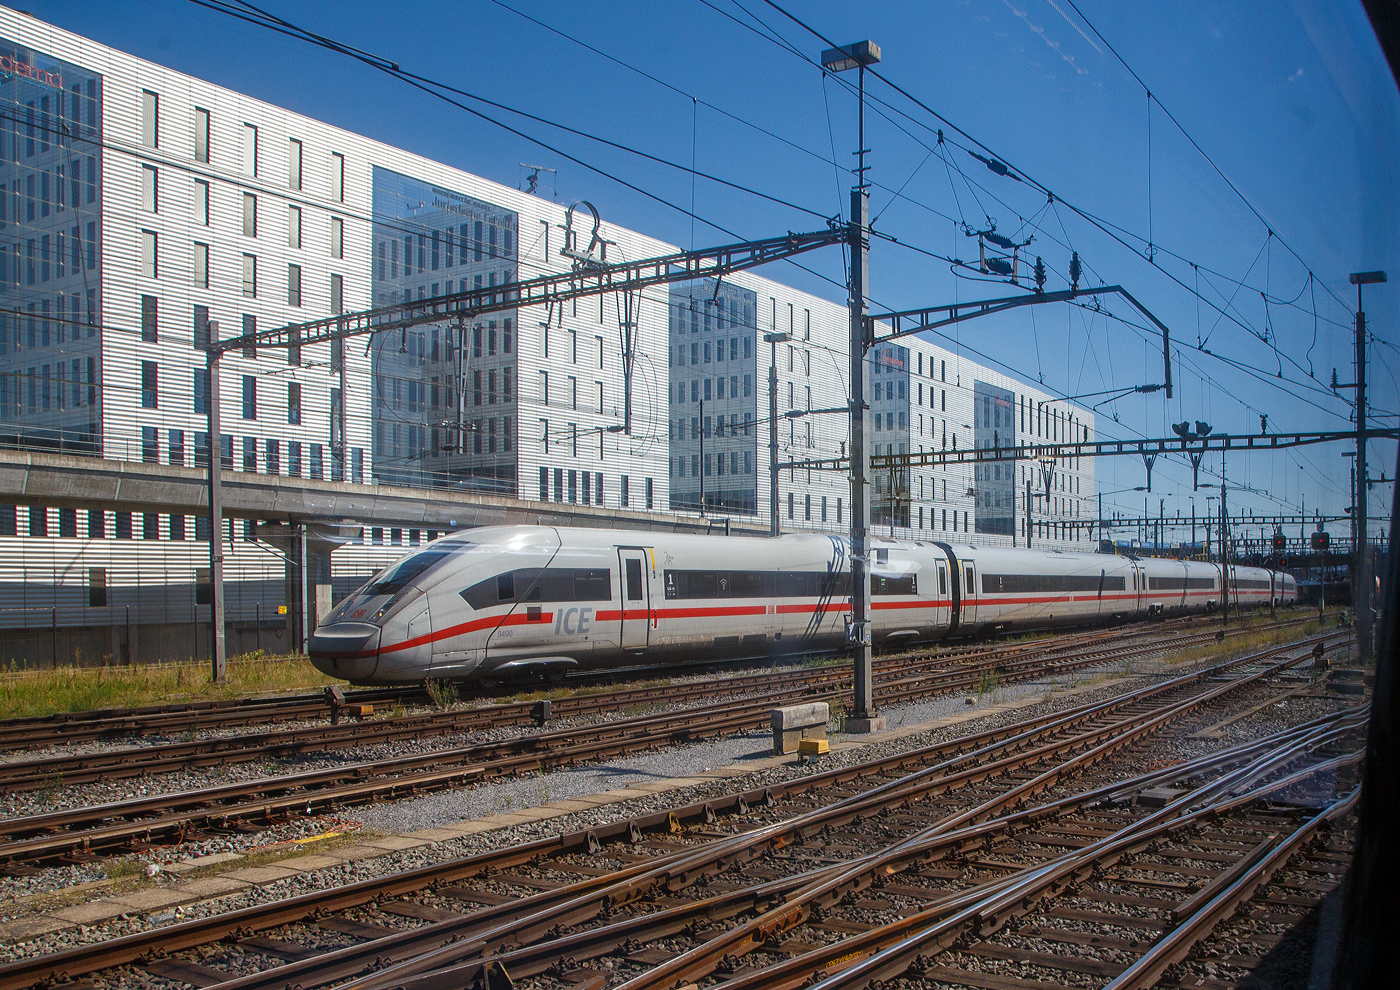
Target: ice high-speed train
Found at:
x=486, y=604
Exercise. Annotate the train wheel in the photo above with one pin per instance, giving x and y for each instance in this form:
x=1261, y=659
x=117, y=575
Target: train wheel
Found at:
x=488, y=682
x=556, y=676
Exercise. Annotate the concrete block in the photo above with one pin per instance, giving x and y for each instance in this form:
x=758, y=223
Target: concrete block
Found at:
x=315, y=861
x=23, y=929
x=151, y=900
x=89, y=913
x=206, y=887
x=394, y=843
x=795, y=723
x=861, y=726
x=261, y=876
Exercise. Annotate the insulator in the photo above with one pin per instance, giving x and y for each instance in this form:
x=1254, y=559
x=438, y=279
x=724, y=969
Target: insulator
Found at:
x=1075, y=270
x=1039, y=273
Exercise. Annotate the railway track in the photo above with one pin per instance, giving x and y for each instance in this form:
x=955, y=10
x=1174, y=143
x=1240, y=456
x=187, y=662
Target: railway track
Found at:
x=939, y=835
x=171, y=719
x=899, y=678
x=115, y=828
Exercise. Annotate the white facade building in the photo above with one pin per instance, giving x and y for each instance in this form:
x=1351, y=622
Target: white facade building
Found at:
x=144, y=208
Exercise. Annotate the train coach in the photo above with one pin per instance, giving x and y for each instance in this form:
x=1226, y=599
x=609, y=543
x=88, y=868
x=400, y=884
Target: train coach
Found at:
x=499, y=602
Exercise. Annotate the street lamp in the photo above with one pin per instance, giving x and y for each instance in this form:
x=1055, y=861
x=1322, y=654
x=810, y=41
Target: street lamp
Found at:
x=863, y=716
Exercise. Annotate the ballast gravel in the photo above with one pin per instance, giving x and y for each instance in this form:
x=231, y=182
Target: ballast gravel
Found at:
x=453, y=806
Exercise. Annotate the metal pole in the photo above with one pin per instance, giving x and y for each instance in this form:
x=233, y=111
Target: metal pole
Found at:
x=1363, y=568
x=130, y=653
x=773, y=434
x=864, y=709
x=1224, y=550
x=257, y=621
x=53, y=637
x=218, y=658
x=703, y=465
x=305, y=591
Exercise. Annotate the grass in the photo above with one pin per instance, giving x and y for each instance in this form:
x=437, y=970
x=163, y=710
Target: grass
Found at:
x=29, y=693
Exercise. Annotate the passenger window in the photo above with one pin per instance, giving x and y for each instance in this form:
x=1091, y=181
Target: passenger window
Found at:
x=505, y=587
x=942, y=581
x=968, y=588
x=634, y=580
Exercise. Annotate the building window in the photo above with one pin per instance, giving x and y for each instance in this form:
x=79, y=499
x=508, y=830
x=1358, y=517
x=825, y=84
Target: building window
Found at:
x=337, y=177
x=317, y=462
x=250, y=397
x=294, y=403
x=201, y=265
x=97, y=524
x=294, y=285
x=149, y=385
x=150, y=445
x=150, y=177
x=150, y=262
x=250, y=455
x=201, y=202
x=293, y=164
x=294, y=459
x=150, y=119
x=176, y=448
x=357, y=465
x=250, y=215
x=149, y=319
x=272, y=453
x=250, y=275
x=250, y=149
x=337, y=237
x=201, y=135
x=294, y=226
x=97, y=586
x=625, y=493
x=650, y=492
x=337, y=307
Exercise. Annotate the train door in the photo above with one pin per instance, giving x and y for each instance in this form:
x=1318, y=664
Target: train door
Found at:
x=636, y=599
x=969, y=593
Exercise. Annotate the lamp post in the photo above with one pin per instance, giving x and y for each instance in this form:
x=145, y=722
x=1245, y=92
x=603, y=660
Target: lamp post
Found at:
x=703, y=465
x=863, y=717
x=1363, y=568
x=217, y=648
x=773, y=339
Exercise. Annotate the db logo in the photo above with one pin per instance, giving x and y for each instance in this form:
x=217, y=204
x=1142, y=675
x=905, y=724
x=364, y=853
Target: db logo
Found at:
x=772, y=610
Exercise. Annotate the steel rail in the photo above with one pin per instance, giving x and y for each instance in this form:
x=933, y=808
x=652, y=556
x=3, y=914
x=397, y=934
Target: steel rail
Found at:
x=87, y=831
x=164, y=757
x=530, y=960
x=126, y=949
x=828, y=959
x=699, y=962
x=69, y=727
x=752, y=844
x=1150, y=966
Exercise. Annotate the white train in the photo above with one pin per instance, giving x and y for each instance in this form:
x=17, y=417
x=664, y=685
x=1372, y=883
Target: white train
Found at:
x=490, y=603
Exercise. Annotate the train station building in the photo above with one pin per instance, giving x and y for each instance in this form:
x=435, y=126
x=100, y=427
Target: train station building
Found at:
x=143, y=211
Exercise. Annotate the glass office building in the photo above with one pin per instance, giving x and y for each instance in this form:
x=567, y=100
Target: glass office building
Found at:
x=714, y=428
x=51, y=140
x=444, y=401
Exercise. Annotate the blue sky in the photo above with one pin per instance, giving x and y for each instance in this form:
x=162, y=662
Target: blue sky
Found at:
x=1292, y=101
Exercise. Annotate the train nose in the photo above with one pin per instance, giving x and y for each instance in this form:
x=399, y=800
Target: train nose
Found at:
x=346, y=649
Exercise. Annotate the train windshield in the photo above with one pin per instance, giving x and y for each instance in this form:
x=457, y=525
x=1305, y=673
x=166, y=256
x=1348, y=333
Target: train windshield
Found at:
x=393, y=580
